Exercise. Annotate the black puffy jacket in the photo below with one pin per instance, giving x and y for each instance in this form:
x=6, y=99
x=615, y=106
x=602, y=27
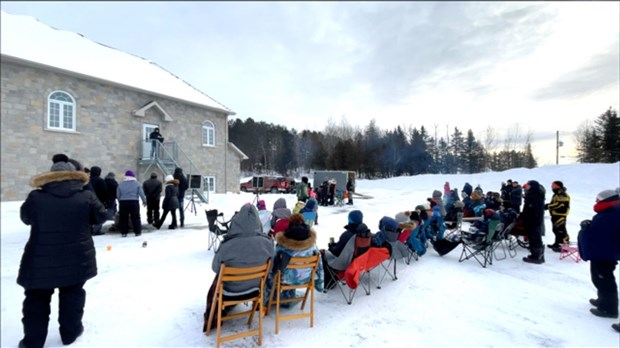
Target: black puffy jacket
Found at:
x=60, y=251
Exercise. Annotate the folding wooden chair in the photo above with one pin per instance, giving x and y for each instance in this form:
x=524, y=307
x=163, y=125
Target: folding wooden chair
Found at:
x=223, y=299
x=279, y=286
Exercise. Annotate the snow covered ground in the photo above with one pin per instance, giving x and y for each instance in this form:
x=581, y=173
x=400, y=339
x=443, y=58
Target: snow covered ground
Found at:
x=155, y=296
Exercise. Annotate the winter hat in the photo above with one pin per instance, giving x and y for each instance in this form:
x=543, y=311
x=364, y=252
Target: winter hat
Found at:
x=261, y=205
x=356, y=217
x=389, y=224
x=130, y=173
x=62, y=167
x=297, y=228
x=60, y=157
x=420, y=208
x=436, y=195
x=168, y=178
x=95, y=171
x=415, y=217
x=153, y=175
x=557, y=184
x=362, y=230
x=607, y=195
x=111, y=175
x=310, y=205
x=76, y=164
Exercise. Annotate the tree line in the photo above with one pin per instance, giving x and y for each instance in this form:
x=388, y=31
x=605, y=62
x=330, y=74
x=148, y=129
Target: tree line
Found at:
x=375, y=153
x=599, y=142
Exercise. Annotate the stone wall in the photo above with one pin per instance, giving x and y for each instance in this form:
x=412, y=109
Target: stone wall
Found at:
x=107, y=133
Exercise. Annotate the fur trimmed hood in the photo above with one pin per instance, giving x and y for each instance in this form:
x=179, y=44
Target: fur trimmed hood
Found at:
x=293, y=244
x=49, y=177
x=173, y=182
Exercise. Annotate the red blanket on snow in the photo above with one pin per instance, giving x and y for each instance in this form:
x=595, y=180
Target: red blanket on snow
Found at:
x=364, y=263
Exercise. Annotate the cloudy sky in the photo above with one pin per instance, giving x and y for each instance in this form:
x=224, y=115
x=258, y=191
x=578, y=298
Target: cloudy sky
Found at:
x=516, y=67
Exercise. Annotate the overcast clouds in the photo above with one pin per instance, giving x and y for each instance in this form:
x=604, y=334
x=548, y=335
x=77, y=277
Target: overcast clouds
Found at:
x=545, y=65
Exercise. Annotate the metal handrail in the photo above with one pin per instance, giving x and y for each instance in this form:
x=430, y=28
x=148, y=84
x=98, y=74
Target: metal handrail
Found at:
x=171, y=156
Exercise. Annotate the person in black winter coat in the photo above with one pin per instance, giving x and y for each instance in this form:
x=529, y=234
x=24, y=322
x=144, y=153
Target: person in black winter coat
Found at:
x=170, y=204
x=599, y=243
x=350, y=191
x=60, y=252
x=183, y=186
x=152, y=188
x=516, y=196
x=533, y=220
x=156, y=139
x=112, y=185
x=101, y=191
x=355, y=219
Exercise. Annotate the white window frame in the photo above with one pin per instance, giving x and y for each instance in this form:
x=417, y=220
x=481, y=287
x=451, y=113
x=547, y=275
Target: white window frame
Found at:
x=209, y=183
x=66, y=112
x=208, y=134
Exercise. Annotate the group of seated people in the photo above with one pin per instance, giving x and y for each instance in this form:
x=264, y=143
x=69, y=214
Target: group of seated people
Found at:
x=255, y=235
x=247, y=245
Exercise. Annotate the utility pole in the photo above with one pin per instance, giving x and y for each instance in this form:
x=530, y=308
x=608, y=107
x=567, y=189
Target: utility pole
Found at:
x=557, y=147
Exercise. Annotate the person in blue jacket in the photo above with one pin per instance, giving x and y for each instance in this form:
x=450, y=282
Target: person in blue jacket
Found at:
x=599, y=243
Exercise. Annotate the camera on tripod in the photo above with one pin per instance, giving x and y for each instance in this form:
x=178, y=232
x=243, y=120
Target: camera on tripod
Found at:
x=256, y=196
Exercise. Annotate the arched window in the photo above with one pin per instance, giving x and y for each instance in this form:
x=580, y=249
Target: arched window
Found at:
x=61, y=111
x=208, y=134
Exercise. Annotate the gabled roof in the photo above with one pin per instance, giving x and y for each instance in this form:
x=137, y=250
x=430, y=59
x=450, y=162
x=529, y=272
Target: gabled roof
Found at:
x=238, y=151
x=25, y=38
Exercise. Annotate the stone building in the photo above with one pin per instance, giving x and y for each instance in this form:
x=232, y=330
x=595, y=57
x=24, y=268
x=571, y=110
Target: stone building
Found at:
x=62, y=93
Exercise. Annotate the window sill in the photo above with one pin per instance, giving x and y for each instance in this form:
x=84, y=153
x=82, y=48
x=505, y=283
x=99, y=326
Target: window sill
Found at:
x=58, y=130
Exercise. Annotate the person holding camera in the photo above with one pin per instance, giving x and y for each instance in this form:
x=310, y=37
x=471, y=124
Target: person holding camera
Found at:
x=156, y=139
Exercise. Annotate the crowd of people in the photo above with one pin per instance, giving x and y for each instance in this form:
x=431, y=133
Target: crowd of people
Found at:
x=67, y=207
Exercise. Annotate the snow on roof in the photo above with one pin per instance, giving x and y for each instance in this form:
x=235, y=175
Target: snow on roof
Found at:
x=27, y=38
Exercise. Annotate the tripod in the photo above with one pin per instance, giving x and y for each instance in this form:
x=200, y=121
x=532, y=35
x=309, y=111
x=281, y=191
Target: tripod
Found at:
x=256, y=198
x=192, y=204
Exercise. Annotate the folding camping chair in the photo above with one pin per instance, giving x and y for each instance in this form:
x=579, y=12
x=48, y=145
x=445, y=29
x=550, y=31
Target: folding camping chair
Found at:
x=279, y=286
x=339, y=198
x=223, y=299
x=504, y=239
x=570, y=250
x=479, y=245
x=218, y=227
x=357, y=270
x=456, y=225
x=397, y=251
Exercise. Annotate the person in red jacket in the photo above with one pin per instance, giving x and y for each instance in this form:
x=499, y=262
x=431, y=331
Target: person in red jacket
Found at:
x=599, y=243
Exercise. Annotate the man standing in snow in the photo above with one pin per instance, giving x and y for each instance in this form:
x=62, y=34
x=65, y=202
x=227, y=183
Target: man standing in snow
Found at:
x=533, y=220
x=599, y=243
x=60, y=252
x=558, y=208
